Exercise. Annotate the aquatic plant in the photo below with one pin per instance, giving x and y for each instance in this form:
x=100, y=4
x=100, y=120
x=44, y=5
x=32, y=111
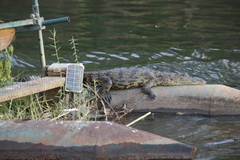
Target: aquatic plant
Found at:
x=74, y=43
x=5, y=65
x=54, y=45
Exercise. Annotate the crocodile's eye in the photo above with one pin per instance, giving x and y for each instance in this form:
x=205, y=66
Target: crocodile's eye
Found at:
x=185, y=74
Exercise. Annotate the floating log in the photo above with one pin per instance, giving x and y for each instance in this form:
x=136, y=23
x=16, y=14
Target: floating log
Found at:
x=199, y=99
x=85, y=140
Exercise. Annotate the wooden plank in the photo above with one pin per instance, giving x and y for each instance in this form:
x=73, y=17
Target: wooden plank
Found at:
x=30, y=87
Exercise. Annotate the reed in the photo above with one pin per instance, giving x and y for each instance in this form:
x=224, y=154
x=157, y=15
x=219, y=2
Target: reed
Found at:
x=55, y=44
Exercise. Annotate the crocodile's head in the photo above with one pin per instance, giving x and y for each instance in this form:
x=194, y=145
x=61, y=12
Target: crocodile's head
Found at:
x=177, y=79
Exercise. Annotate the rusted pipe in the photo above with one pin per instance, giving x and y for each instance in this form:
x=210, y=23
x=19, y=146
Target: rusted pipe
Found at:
x=55, y=21
x=199, y=99
x=85, y=140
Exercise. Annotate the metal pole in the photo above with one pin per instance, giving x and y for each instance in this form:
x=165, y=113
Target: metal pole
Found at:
x=56, y=20
x=35, y=9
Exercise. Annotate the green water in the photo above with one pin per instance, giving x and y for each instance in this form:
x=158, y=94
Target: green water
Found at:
x=201, y=38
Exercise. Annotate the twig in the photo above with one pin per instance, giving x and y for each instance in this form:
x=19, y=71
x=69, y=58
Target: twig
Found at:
x=102, y=98
x=60, y=115
x=140, y=118
x=125, y=112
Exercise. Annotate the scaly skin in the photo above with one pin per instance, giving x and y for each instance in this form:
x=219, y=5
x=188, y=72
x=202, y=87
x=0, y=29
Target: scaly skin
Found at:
x=136, y=77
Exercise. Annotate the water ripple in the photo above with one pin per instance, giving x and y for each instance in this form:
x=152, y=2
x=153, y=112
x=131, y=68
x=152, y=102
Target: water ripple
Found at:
x=212, y=144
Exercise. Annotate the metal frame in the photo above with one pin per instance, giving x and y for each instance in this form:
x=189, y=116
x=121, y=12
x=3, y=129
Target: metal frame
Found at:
x=36, y=23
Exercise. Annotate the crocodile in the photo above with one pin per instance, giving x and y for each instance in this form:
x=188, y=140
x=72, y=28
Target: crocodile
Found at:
x=122, y=78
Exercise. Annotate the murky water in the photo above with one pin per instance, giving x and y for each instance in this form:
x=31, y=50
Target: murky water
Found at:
x=215, y=137
x=198, y=37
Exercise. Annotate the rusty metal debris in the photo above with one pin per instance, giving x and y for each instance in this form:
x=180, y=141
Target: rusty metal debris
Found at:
x=85, y=140
x=6, y=37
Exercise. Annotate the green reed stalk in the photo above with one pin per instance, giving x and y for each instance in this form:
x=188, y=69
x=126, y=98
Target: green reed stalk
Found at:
x=55, y=41
x=74, y=48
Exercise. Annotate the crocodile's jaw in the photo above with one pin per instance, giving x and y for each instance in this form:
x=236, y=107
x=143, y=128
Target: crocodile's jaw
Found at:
x=177, y=79
x=188, y=81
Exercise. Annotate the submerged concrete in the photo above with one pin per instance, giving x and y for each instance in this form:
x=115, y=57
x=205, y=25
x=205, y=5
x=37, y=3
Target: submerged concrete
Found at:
x=85, y=140
x=199, y=99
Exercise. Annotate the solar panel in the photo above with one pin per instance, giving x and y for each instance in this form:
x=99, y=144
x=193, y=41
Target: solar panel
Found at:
x=74, y=78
